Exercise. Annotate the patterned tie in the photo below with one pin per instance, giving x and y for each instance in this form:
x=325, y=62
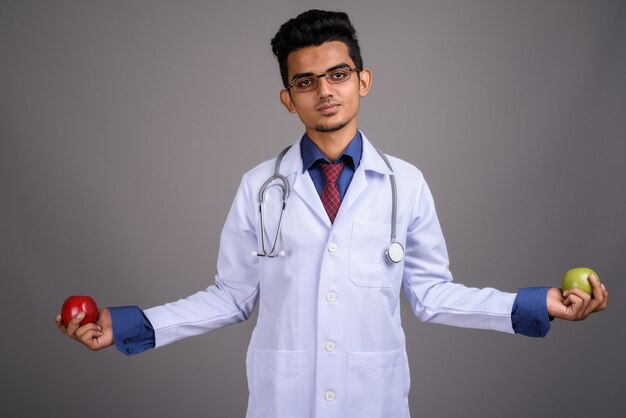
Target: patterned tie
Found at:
x=331, y=198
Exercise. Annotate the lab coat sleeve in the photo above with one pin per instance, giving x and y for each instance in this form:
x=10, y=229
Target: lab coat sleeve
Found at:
x=235, y=292
x=427, y=281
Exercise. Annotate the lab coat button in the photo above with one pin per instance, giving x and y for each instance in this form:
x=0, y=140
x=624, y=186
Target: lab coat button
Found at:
x=535, y=322
x=330, y=395
x=333, y=247
x=331, y=296
x=330, y=346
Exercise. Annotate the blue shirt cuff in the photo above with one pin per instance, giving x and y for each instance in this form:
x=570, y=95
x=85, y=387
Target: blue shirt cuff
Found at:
x=530, y=313
x=132, y=331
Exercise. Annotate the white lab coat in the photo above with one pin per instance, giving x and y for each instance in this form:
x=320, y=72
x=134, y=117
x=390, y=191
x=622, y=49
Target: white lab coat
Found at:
x=328, y=340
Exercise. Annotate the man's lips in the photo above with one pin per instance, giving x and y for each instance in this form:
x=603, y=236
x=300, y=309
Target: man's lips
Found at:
x=328, y=108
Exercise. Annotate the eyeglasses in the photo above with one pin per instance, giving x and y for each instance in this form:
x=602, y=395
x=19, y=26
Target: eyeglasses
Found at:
x=310, y=82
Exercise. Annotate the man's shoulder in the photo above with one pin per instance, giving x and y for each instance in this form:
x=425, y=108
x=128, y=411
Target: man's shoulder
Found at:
x=290, y=162
x=266, y=166
x=405, y=171
x=404, y=166
x=255, y=176
x=400, y=166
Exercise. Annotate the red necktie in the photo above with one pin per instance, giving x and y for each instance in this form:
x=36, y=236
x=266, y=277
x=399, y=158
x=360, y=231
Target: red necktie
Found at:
x=331, y=199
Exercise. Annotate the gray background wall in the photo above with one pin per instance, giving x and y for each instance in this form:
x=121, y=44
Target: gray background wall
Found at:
x=125, y=127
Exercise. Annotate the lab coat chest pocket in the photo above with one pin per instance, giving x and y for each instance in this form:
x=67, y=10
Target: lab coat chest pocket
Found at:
x=369, y=265
x=378, y=384
x=282, y=383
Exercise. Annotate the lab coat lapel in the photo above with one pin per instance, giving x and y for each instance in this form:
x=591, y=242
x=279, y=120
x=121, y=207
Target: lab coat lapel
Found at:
x=301, y=183
x=357, y=186
x=370, y=162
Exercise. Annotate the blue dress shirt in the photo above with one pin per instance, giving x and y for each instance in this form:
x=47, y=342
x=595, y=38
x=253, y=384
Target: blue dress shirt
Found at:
x=133, y=333
x=351, y=157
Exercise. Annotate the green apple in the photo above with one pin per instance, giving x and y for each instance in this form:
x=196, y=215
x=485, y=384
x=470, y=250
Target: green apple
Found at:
x=578, y=277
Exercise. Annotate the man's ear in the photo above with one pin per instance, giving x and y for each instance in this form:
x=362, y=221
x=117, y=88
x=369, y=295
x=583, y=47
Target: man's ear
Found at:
x=365, y=81
x=285, y=99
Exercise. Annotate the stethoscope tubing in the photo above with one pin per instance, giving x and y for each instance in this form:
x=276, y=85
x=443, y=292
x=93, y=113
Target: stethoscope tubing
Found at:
x=284, y=185
x=394, y=252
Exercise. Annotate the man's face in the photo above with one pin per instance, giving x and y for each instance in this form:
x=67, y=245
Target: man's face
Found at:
x=329, y=107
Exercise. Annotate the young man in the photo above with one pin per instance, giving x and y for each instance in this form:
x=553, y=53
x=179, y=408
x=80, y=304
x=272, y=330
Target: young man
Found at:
x=327, y=272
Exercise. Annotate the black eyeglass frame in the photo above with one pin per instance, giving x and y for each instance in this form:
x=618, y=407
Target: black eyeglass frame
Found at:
x=327, y=75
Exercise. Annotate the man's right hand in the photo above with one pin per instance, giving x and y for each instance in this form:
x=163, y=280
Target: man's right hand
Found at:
x=95, y=336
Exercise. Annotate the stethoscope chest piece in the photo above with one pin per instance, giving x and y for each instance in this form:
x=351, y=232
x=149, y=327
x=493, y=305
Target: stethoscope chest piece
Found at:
x=395, y=252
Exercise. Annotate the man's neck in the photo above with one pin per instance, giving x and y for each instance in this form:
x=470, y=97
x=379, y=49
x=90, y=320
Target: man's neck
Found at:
x=332, y=144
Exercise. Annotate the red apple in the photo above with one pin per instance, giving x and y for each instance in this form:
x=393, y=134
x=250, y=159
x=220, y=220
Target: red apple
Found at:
x=578, y=278
x=76, y=304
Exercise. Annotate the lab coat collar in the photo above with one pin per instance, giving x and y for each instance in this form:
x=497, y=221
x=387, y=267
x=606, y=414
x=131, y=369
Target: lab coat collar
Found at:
x=303, y=186
x=370, y=159
x=350, y=156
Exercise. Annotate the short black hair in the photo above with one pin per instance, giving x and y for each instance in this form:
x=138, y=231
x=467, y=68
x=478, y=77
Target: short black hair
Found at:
x=313, y=28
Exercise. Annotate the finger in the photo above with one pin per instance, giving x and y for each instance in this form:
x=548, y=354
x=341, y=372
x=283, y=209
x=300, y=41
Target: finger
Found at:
x=90, y=337
x=598, y=295
x=573, y=296
x=596, y=288
x=581, y=294
x=574, y=305
x=81, y=331
x=59, y=324
x=583, y=309
x=590, y=303
x=605, y=299
x=95, y=342
x=591, y=307
x=74, y=324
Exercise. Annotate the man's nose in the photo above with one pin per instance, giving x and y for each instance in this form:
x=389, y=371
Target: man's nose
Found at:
x=324, y=88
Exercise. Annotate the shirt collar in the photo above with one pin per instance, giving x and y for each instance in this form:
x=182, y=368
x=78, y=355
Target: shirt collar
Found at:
x=311, y=153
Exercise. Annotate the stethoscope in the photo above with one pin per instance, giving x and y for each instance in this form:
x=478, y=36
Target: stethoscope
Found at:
x=395, y=250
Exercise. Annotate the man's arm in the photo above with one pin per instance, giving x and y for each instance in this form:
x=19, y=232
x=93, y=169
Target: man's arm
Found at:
x=435, y=298
x=231, y=299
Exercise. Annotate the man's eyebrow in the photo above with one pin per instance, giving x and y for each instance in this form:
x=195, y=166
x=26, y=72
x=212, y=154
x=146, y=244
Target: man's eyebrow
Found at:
x=308, y=74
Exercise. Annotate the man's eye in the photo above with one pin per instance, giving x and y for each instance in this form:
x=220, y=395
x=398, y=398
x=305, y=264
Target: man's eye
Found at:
x=304, y=82
x=339, y=75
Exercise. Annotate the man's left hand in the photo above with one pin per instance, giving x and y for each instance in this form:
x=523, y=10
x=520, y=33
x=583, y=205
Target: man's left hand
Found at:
x=575, y=304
